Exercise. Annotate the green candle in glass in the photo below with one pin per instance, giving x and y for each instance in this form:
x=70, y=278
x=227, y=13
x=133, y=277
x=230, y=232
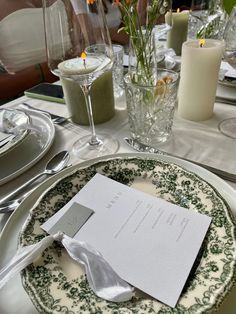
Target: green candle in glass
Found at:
x=102, y=94
x=178, y=33
x=102, y=98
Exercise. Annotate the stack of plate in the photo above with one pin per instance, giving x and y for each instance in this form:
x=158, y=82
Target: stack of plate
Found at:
x=25, y=137
x=227, y=75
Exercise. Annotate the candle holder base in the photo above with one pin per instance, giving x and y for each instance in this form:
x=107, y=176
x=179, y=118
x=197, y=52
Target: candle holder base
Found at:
x=85, y=150
x=228, y=127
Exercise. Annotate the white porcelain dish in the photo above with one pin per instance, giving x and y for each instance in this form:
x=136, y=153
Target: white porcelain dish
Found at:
x=228, y=82
x=226, y=92
x=31, y=150
x=10, y=233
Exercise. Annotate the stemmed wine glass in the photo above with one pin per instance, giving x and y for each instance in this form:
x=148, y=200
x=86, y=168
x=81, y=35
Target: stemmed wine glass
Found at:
x=228, y=126
x=71, y=26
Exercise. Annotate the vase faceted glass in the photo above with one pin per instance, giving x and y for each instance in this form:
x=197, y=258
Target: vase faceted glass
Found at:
x=228, y=126
x=143, y=62
x=151, y=108
x=143, y=24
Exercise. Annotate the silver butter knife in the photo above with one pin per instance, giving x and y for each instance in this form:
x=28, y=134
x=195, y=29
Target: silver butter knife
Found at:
x=147, y=149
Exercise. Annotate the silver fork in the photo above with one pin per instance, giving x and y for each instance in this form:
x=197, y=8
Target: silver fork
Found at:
x=55, y=118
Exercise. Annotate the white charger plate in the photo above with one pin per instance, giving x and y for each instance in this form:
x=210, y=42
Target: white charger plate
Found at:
x=228, y=82
x=31, y=150
x=20, y=302
x=226, y=92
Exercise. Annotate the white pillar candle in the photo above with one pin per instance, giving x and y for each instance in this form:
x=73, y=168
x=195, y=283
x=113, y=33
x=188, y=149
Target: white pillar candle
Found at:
x=198, y=78
x=178, y=33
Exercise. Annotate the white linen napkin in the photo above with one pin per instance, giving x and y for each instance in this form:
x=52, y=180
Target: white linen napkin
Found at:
x=229, y=71
x=11, y=122
x=102, y=278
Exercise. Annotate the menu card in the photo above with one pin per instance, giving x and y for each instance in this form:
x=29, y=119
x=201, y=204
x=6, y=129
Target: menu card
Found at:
x=149, y=242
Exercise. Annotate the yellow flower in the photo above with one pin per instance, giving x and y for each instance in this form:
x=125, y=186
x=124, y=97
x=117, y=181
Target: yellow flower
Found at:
x=83, y=55
x=117, y=2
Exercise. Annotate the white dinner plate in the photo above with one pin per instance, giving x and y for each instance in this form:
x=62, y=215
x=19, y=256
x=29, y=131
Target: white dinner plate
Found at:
x=20, y=303
x=33, y=148
x=226, y=92
x=228, y=82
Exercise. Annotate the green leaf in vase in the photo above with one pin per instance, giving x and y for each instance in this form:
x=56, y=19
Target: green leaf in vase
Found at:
x=228, y=5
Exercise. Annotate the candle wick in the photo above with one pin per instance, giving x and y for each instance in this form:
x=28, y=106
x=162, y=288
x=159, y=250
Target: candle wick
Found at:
x=201, y=43
x=83, y=57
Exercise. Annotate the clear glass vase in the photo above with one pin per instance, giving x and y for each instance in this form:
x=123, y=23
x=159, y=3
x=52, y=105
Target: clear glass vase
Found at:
x=151, y=107
x=142, y=58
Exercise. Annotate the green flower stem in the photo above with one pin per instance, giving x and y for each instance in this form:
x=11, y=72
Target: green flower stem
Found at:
x=141, y=39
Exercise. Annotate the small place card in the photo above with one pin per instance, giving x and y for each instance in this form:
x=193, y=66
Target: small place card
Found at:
x=72, y=220
x=149, y=242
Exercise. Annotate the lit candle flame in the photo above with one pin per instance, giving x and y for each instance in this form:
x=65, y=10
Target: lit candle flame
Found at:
x=202, y=43
x=83, y=57
x=178, y=10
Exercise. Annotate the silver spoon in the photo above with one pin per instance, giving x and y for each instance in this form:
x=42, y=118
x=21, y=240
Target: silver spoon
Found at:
x=56, y=164
x=10, y=206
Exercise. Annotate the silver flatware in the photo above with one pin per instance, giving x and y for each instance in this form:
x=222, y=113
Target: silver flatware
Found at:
x=144, y=148
x=56, y=164
x=6, y=140
x=225, y=101
x=65, y=122
x=55, y=118
x=10, y=206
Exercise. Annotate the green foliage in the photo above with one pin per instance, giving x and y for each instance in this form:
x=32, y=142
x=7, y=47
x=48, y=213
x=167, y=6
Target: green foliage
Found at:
x=141, y=32
x=228, y=5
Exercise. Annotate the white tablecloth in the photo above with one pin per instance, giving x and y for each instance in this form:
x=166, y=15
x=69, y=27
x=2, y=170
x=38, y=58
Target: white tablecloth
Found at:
x=197, y=141
x=200, y=141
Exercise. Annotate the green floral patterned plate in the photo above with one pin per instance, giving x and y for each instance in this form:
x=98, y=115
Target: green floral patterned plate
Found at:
x=56, y=284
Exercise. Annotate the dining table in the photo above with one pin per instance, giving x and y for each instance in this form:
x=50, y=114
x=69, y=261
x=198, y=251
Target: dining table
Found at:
x=191, y=142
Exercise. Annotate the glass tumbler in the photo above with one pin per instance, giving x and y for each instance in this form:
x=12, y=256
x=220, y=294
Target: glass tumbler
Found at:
x=118, y=70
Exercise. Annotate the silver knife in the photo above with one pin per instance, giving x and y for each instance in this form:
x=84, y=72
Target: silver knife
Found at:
x=225, y=101
x=147, y=149
x=6, y=140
